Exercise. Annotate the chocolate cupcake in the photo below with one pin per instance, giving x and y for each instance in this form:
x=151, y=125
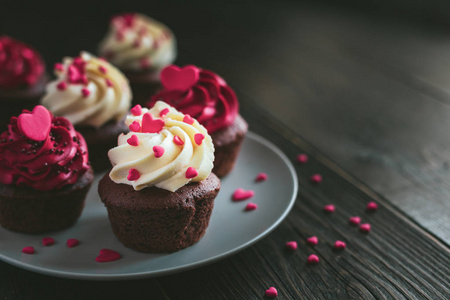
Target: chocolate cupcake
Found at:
x=160, y=192
x=22, y=78
x=205, y=96
x=95, y=97
x=140, y=47
x=44, y=173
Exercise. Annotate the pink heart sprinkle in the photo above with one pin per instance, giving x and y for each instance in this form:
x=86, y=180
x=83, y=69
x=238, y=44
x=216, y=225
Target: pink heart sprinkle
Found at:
x=198, y=138
x=59, y=67
x=271, y=292
x=302, y=158
x=330, y=208
x=177, y=140
x=107, y=255
x=316, y=178
x=35, y=125
x=364, y=227
x=133, y=175
x=191, y=173
x=137, y=110
x=108, y=82
x=188, y=119
x=312, y=240
x=181, y=79
x=313, y=259
x=261, y=177
x=151, y=125
x=102, y=69
x=48, y=241
x=133, y=140
x=339, y=245
x=251, y=206
x=372, y=206
x=28, y=250
x=291, y=245
x=158, y=150
x=354, y=220
x=85, y=92
x=61, y=86
x=164, y=112
x=135, y=126
x=241, y=194
x=72, y=243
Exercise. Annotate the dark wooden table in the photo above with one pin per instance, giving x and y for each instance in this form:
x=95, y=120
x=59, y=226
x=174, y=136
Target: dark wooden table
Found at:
x=365, y=94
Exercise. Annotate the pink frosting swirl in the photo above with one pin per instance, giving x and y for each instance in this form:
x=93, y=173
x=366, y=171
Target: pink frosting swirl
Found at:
x=205, y=96
x=50, y=163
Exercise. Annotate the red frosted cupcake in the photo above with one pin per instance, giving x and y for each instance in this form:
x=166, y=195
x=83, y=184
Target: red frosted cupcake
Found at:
x=44, y=173
x=205, y=96
x=22, y=78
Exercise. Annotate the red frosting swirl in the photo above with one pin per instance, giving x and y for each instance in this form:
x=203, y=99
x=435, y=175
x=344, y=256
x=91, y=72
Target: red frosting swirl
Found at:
x=19, y=64
x=52, y=162
x=205, y=96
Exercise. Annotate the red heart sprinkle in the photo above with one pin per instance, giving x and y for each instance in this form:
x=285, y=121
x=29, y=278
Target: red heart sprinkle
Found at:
x=133, y=140
x=182, y=79
x=312, y=240
x=271, y=292
x=313, y=259
x=102, y=69
x=198, y=138
x=354, y=220
x=188, y=119
x=48, y=241
x=85, y=92
x=330, y=208
x=158, y=150
x=164, y=112
x=316, y=178
x=107, y=255
x=291, y=245
x=151, y=125
x=241, y=194
x=72, y=243
x=261, y=177
x=302, y=158
x=59, y=67
x=364, y=227
x=191, y=172
x=35, y=125
x=177, y=140
x=339, y=245
x=137, y=110
x=372, y=206
x=133, y=175
x=61, y=86
x=135, y=126
x=28, y=250
x=251, y=206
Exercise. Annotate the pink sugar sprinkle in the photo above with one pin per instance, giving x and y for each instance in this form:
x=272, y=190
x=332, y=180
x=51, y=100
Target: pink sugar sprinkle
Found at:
x=136, y=110
x=241, y=194
x=59, y=67
x=261, y=177
x=292, y=245
x=102, y=69
x=316, y=178
x=302, y=158
x=188, y=119
x=355, y=220
x=48, y=241
x=191, y=173
x=61, y=86
x=271, y=292
x=177, y=140
x=312, y=240
x=364, y=227
x=198, y=138
x=108, y=82
x=372, y=206
x=251, y=206
x=158, y=151
x=330, y=208
x=133, y=175
x=164, y=112
x=133, y=141
x=135, y=126
x=107, y=255
x=72, y=243
x=339, y=245
x=313, y=259
x=28, y=250
x=85, y=92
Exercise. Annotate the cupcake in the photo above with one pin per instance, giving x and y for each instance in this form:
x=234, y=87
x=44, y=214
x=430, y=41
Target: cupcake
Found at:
x=22, y=78
x=160, y=192
x=44, y=173
x=140, y=47
x=205, y=96
x=95, y=97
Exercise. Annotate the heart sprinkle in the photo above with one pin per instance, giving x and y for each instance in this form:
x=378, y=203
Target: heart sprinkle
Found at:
x=135, y=126
x=133, y=175
x=107, y=255
x=251, y=206
x=35, y=125
x=364, y=227
x=339, y=245
x=28, y=250
x=313, y=259
x=59, y=67
x=372, y=206
x=261, y=177
x=108, y=83
x=61, y=86
x=158, y=150
x=198, y=138
x=241, y=194
x=302, y=158
x=191, y=173
x=271, y=292
x=355, y=220
x=292, y=245
x=330, y=208
x=312, y=240
x=133, y=140
x=48, y=241
x=85, y=92
x=188, y=119
x=180, y=79
x=137, y=110
x=164, y=112
x=151, y=125
x=316, y=178
x=177, y=140
x=102, y=69
x=72, y=243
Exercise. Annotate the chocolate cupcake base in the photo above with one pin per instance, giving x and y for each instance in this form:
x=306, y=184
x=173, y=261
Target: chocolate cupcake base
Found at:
x=26, y=210
x=143, y=85
x=227, y=144
x=154, y=220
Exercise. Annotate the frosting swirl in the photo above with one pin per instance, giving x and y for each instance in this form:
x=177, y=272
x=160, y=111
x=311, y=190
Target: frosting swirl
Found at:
x=206, y=97
x=88, y=91
x=165, y=148
x=136, y=42
x=19, y=64
x=42, y=151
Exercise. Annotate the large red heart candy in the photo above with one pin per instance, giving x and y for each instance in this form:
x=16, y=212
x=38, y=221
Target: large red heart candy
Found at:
x=151, y=125
x=180, y=79
x=35, y=125
x=107, y=255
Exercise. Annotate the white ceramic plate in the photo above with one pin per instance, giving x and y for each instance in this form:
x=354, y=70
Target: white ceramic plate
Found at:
x=231, y=228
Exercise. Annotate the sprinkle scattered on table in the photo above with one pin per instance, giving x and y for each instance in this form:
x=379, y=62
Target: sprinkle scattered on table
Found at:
x=364, y=227
x=251, y=206
x=72, y=243
x=354, y=220
x=316, y=178
x=302, y=158
x=261, y=177
x=312, y=240
x=329, y=208
x=48, y=241
x=28, y=250
x=313, y=259
x=271, y=292
x=241, y=194
x=292, y=245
